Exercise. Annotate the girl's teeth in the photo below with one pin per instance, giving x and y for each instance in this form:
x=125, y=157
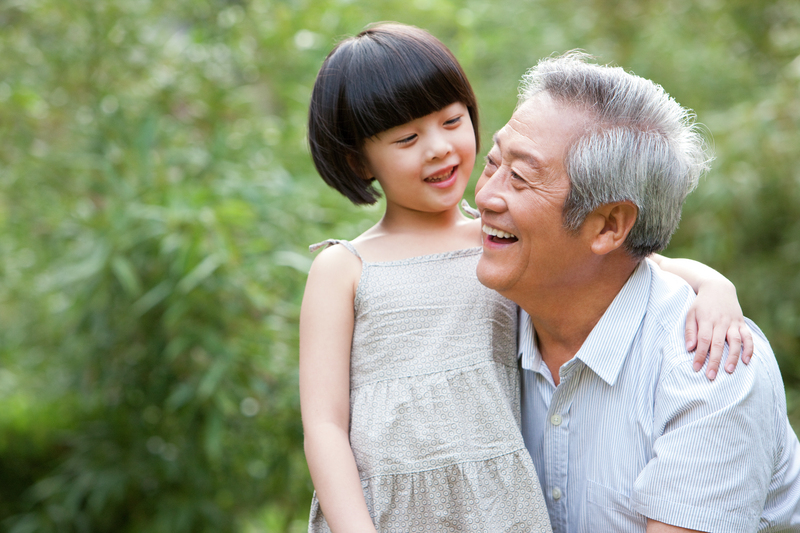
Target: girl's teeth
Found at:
x=440, y=177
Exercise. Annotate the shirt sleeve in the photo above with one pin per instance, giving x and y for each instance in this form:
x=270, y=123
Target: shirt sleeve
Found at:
x=713, y=450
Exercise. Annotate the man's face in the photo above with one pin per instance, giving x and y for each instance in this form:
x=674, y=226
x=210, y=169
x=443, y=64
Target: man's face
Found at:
x=520, y=194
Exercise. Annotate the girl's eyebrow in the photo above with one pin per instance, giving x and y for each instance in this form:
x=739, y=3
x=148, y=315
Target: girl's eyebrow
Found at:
x=525, y=157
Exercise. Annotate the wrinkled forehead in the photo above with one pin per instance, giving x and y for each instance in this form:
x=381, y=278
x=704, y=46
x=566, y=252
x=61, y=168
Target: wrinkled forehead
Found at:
x=540, y=130
x=515, y=146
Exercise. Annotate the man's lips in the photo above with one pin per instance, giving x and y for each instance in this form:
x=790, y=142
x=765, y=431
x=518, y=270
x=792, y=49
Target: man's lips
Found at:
x=499, y=236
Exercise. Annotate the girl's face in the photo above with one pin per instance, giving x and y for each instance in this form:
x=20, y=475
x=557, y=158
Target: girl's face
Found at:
x=424, y=165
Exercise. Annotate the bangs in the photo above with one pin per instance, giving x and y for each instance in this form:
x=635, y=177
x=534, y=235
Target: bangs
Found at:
x=387, y=87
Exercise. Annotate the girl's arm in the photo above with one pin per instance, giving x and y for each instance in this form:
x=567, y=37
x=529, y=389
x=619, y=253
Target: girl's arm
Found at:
x=326, y=332
x=714, y=317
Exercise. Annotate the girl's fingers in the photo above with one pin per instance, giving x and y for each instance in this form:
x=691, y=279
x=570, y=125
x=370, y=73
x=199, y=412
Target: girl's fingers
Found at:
x=703, y=344
x=734, y=349
x=715, y=355
x=691, y=336
x=747, y=343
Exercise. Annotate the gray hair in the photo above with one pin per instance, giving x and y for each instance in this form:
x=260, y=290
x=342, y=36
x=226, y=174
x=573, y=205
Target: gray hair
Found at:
x=643, y=146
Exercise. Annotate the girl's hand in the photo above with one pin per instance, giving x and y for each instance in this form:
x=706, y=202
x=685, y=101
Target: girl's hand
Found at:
x=714, y=318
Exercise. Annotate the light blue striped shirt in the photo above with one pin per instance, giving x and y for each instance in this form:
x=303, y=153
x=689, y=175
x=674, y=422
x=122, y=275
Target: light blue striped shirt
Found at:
x=633, y=432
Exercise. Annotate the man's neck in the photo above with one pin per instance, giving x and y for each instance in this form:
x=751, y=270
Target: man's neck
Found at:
x=563, y=319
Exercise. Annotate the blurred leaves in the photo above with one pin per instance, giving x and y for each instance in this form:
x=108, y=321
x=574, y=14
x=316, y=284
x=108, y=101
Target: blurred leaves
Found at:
x=157, y=201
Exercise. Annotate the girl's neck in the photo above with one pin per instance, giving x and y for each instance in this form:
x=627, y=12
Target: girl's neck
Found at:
x=400, y=235
x=404, y=221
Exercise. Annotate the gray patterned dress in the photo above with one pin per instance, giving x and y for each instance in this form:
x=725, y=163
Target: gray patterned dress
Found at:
x=434, y=408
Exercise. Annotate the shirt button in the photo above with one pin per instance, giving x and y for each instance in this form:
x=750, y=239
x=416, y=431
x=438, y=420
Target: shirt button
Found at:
x=555, y=420
x=556, y=493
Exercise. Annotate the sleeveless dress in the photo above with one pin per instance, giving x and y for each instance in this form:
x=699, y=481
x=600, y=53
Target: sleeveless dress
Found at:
x=434, y=401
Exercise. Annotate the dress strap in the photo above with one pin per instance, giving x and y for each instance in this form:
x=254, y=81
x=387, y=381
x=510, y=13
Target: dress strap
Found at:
x=468, y=209
x=331, y=242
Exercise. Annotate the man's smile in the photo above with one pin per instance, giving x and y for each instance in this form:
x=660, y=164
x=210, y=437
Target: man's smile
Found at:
x=499, y=236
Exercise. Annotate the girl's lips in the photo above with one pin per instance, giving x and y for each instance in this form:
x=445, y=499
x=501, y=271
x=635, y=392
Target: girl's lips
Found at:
x=450, y=180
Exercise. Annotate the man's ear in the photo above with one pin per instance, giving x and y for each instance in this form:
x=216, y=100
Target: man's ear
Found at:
x=610, y=225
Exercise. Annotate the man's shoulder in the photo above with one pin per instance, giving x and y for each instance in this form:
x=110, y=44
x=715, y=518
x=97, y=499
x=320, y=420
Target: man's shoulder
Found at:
x=670, y=295
x=669, y=299
x=741, y=416
x=765, y=362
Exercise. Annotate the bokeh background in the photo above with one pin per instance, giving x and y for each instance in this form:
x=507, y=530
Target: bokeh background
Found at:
x=157, y=200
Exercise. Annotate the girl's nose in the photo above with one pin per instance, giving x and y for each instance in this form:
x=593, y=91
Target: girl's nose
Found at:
x=439, y=147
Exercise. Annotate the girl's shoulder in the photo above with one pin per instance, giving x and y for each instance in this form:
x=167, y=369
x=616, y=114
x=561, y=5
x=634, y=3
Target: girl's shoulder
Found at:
x=339, y=259
x=327, y=243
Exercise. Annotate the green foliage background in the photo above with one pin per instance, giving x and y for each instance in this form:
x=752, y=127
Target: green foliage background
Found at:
x=157, y=200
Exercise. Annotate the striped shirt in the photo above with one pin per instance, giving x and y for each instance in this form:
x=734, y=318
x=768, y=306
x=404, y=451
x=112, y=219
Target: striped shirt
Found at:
x=633, y=432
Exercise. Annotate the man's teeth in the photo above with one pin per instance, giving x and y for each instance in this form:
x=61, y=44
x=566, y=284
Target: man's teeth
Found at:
x=498, y=233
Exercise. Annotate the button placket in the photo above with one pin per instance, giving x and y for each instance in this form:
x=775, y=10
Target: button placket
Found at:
x=557, y=442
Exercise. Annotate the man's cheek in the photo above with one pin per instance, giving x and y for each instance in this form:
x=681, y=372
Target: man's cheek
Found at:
x=481, y=182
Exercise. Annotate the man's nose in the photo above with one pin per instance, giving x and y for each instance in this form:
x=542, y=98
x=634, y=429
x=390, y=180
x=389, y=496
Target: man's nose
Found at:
x=487, y=193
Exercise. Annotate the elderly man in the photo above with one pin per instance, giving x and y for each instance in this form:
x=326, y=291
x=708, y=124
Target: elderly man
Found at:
x=587, y=179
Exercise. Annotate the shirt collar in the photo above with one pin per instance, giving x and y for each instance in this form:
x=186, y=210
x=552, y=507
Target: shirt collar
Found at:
x=529, y=355
x=607, y=345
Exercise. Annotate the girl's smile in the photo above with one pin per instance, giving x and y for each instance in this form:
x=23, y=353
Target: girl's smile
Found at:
x=443, y=179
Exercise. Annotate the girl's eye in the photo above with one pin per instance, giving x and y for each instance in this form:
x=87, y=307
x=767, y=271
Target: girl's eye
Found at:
x=406, y=140
x=452, y=121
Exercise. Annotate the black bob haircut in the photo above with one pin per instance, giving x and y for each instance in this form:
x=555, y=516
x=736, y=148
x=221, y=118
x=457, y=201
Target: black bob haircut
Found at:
x=386, y=76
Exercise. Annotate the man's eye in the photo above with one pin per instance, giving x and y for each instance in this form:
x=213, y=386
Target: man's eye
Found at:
x=490, y=165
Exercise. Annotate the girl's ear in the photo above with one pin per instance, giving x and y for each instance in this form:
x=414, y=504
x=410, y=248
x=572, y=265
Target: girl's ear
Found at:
x=358, y=167
x=610, y=225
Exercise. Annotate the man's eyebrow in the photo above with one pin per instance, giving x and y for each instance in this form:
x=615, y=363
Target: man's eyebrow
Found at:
x=525, y=157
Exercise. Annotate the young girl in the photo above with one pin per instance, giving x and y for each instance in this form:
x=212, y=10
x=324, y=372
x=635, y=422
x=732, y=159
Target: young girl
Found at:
x=408, y=371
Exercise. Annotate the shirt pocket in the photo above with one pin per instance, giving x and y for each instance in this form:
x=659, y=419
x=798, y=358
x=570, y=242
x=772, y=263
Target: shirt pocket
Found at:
x=609, y=510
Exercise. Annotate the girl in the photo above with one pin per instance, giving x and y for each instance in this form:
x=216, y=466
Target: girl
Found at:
x=408, y=371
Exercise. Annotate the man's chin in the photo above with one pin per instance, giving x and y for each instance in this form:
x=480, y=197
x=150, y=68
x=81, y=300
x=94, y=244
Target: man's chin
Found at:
x=488, y=275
